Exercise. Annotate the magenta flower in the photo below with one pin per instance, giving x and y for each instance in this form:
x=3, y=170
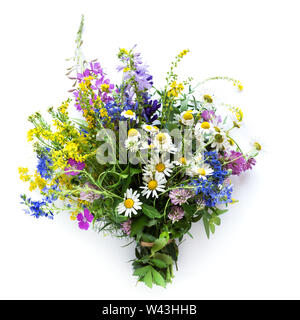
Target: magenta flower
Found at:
x=126, y=227
x=176, y=214
x=250, y=163
x=237, y=162
x=75, y=166
x=85, y=219
x=180, y=196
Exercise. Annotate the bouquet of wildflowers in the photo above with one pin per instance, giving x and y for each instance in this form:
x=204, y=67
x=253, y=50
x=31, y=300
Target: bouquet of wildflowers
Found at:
x=139, y=162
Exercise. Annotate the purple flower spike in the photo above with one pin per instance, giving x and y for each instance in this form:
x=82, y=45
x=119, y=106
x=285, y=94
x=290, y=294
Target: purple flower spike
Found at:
x=84, y=219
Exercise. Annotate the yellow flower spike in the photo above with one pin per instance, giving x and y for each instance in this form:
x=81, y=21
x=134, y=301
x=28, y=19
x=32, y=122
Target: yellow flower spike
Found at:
x=105, y=87
x=73, y=215
x=183, y=53
x=23, y=172
x=39, y=181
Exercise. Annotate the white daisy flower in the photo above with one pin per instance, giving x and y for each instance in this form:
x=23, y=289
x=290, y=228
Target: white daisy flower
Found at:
x=153, y=184
x=258, y=145
x=132, y=145
x=163, y=142
x=129, y=114
x=187, y=118
x=182, y=161
x=203, y=128
x=149, y=128
x=145, y=145
x=130, y=204
x=207, y=97
x=159, y=165
x=133, y=134
x=203, y=171
x=220, y=141
x=255, y=144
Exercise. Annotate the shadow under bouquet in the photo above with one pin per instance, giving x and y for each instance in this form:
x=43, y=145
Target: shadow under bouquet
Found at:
x=138, y=162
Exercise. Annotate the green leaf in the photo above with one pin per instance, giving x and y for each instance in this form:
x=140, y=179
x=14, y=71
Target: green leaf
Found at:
x=164, y=257
x=126, y=184
x=148, y=237
x=151, y=223
x=212, y=227
x=217, y=221
x=172, y=250
x=206, y=226
x=168, y=274
x=137, y=227
x=219, y=211
x=134, y=171
x=150, y=211
x=140, y=272
x=159, y=243
x=189, y=209
x=159, y=263
x=158, y=279
x=197, y=218
x=148, y=278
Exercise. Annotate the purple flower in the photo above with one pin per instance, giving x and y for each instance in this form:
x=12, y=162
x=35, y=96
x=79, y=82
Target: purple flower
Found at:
x=237, y=162
x=75, y=166
x=101, y=88
x=250, y=163
x=85, y=219
x=209, y=115
x=126, y=227
x=138, y=72
x=89, y=196
x=180, y=196
x=149, y=109
x=176, y=214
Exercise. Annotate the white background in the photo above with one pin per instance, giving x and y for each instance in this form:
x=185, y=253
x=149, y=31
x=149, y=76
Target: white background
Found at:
x=255, y=252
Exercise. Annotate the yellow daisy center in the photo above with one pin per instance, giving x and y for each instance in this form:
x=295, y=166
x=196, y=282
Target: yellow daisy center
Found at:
x=208, y=98
x=132, y=133
x=201, y=172
x=161, y=137
x=182, y=160
x=129, y=113
x=152, y=185
x=155, y=128
x=187, y=116
x=257, y=146
x=219, y=138
x=148, y=127
x=205, y=125
x=160, y=167
x=128, y=203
